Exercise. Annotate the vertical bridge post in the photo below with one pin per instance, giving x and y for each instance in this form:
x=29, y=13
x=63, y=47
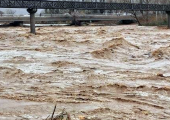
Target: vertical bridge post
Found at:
x=168, y=13
x=32, y=12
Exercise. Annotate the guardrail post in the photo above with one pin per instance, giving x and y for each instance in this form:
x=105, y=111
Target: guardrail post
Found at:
x=168, y=13
x=32, y=12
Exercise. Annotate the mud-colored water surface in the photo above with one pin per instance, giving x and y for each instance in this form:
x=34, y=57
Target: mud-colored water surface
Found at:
x=95, y=73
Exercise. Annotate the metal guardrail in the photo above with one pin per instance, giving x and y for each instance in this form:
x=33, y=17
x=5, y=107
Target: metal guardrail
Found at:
x=45, y=4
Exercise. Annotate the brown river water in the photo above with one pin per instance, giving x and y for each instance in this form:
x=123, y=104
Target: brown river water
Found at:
x=94, y=72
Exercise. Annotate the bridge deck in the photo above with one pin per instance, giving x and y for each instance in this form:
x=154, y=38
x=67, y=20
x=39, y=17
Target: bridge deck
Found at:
x=44, y=4
x=68, y=18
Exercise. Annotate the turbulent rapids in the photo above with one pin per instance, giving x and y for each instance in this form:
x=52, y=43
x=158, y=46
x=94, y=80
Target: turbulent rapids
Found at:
x=95, y=73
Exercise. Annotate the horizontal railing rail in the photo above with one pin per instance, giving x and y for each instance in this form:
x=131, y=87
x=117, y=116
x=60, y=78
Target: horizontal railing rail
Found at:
x=45, y=4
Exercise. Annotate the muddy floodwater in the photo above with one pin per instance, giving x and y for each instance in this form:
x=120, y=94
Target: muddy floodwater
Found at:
x=95, y=73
